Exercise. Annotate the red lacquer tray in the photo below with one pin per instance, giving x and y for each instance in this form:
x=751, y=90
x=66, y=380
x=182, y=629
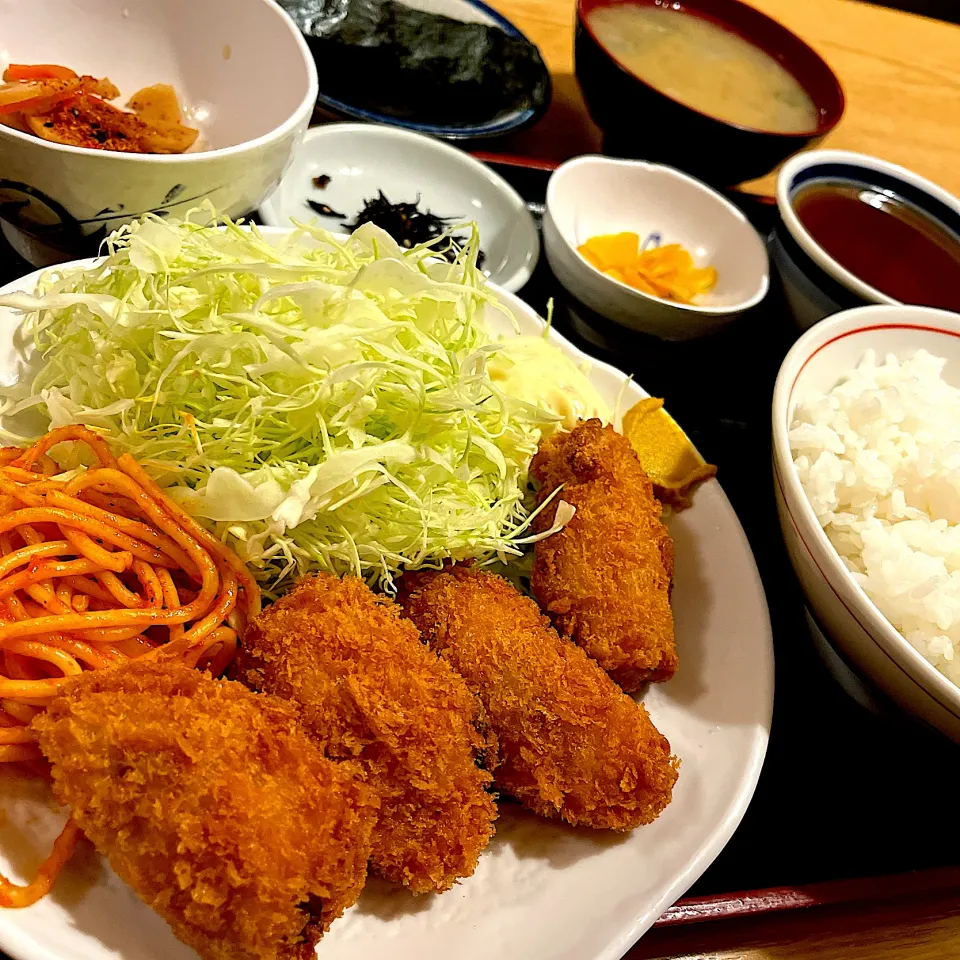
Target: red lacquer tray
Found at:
x=932, y=882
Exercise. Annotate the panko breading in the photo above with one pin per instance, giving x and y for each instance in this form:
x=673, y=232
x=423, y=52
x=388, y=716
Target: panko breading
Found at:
x=213, y=804
x=369, y=689
x=572, y=743
x=605, y=578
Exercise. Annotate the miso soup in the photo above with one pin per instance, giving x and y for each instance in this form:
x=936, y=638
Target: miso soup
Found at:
x=704, y=66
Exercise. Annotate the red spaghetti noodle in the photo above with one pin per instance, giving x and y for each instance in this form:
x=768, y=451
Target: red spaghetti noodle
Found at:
x=97, y=568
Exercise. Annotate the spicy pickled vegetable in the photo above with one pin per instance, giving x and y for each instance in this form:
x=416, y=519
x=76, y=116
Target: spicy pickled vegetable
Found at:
x=55, y=103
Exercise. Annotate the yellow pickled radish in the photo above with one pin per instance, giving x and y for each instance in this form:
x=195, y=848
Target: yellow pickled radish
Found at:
x=667, y=272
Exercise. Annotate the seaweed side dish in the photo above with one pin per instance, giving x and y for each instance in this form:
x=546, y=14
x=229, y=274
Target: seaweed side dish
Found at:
x=405, y=222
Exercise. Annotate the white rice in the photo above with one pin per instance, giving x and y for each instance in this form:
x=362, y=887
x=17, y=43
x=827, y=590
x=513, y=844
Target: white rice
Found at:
x=879, y=460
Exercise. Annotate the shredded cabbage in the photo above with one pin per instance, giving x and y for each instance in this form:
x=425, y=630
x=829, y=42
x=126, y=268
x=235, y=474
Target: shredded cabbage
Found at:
x=319, y=402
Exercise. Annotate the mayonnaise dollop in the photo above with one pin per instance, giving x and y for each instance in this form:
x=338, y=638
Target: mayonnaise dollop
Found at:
x=535, y=371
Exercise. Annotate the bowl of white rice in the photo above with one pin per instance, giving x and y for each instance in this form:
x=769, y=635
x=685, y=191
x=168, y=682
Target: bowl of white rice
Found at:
x=866, y=433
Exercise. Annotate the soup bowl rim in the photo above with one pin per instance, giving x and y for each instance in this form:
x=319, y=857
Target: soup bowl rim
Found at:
x=804, y=239
x=826, y=119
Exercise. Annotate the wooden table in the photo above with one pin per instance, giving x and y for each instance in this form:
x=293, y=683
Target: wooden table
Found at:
x=901, y=75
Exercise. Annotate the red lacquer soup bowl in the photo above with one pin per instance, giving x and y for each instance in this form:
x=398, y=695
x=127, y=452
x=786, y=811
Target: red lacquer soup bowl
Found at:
x=642, y=122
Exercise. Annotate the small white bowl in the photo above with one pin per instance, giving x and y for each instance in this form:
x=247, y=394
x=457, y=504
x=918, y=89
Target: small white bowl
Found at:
x=590, y=196
x=241, y=69
x=816, y=363
x=362, y=158
x=815, y=284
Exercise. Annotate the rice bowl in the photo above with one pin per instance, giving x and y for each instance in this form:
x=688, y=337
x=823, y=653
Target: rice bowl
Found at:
x=879, y=460
x=835, y=594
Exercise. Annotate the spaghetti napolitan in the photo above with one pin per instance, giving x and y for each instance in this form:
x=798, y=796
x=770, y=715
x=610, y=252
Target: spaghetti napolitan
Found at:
x=99, y=566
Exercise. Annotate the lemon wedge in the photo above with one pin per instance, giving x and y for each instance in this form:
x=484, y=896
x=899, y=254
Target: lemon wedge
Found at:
x=666, y=453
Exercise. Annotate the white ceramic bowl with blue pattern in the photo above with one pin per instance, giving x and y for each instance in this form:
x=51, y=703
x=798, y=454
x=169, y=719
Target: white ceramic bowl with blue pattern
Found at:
x=242, y=72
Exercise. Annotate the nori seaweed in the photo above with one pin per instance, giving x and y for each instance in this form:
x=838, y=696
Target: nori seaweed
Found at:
x=385, y=57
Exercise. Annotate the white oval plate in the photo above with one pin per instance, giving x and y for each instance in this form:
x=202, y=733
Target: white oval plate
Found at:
x=542, y=891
